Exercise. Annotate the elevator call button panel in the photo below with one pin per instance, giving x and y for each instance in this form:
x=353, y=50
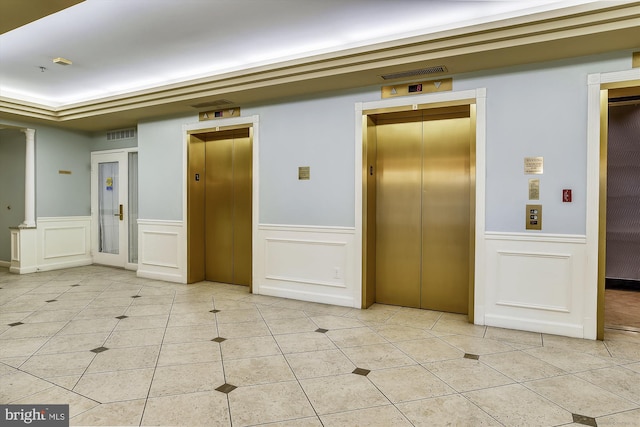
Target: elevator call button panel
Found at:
x=534, y=217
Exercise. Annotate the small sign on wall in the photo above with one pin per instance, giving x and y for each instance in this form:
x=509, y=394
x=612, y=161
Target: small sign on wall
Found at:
x=304, y=173
x=534, y=189
x=533, y=165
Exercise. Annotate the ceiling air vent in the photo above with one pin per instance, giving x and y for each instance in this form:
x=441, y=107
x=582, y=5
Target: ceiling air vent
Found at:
x=421, y=72
x=114, y=135
x=216, y=103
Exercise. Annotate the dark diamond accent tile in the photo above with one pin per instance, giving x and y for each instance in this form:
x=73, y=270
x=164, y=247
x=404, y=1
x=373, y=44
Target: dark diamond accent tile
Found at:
x=226, y=388
x=584, y=420
x=137, y=296
x=322, y=330
x=218, y=339
x=51, y=300
x=214, y=311
x=121, y=317
x=471, y=356
x=99, y=349
x=73, y=286
x=360, y=371
x=16, y=324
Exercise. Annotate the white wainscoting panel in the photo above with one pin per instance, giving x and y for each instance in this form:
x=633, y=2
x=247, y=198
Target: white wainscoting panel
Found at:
x=535, y=282
x=161, y=250
x=63, y=242
x=307, y=263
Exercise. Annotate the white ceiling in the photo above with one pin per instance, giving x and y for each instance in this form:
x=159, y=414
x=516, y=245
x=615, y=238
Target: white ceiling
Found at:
x=119, y=46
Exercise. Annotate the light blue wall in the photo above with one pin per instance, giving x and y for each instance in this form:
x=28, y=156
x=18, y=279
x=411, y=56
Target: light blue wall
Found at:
x=99, y=142
x=60, y=194
x=12, y=164
x=160, y=163
x=532, y=111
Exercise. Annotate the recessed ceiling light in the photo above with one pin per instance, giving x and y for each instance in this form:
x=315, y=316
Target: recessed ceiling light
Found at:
x=62, y=61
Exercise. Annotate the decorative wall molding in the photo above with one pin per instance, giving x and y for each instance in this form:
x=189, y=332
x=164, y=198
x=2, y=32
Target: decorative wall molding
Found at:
x=161, y=250
x=314, y=264
x=63, y=242
x=535, y=282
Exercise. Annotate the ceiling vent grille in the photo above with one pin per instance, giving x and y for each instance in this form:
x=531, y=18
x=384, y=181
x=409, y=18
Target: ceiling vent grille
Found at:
x=421, y=72
x=114, y=135
x=216, y=103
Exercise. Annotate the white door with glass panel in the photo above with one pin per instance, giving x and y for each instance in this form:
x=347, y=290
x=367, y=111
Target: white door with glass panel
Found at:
x=114, y=208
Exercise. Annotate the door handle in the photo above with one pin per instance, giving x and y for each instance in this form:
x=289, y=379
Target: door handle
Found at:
x=121, y=213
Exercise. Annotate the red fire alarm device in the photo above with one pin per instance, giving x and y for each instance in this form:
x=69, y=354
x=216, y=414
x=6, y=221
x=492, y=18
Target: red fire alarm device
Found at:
x=566, y=196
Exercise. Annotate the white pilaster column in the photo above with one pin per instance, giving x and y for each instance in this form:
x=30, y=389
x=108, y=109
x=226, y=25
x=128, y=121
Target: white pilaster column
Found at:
x=30, y=181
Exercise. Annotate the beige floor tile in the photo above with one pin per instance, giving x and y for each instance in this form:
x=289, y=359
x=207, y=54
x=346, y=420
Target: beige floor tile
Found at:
x=192, y=319
x=574, y=344
x=244, y=329
x=286, y=401
x=414, y=317
x=273, y=313
x=135, y=338
x=33, y=330
x=355, y=337
x=622, y=419
x=142, y=322
x=336, y=322
x=625, y=350
x=395, y=333
x=74, y=343
x=319, y=363
x=68, y=382
x=51, y=316
x=377, y=356
x=59, y=396
x=291, y=326
x=158, y=300
x=199, y=307
x=475, y=345
x=342, y=393
x=66, y=304
x=112, y=414
x=514, y=405
x=300, y=422
x=511, y=336
x=467, y=375
x=521, y=366
x=459, y=326
x=241, y=348
x=618, y=380
x=235, y=316
x=59, y=364
x=303, y=342
x=408, y=383
x=579, y=396
x=120, y=359
x=372, y=316
x=568, y=360
x=181, y=379
x=193, y=409
x=89, y=326
x=100, y=313
x=110, y=301
x=192, y=352
x=21, y=346
x=148, y=310
x=315, y=309
x=429, y=350
x=382, y=416
x=258, y=370
x=183, y=334
x=452, y=410
x=261, y=299
x=18, y=385
x=116, y=386
x=222, y=303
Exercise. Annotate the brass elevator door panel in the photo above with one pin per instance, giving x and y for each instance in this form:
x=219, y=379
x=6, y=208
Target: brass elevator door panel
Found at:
x=423, y=209
x=446, y=215
x=228, y=207
x=398, y=211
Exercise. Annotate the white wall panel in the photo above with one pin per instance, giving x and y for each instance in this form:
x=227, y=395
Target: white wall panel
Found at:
x=309, y=263
x=535, y=282
x=161, y=251
x=63, y=242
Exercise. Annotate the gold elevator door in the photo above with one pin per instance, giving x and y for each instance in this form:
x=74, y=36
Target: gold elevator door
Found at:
x=423, y=209
x=220, y=206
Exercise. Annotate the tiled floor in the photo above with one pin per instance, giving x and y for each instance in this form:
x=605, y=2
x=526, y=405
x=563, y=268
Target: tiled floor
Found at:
x=127, y=351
